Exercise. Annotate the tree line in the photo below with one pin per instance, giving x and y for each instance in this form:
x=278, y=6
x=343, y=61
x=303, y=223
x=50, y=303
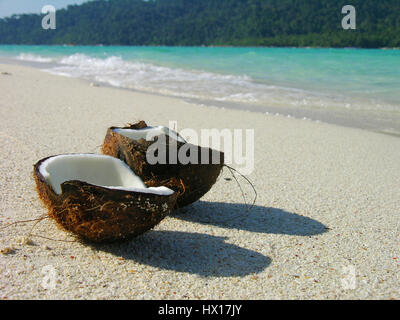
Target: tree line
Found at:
x=315, y=23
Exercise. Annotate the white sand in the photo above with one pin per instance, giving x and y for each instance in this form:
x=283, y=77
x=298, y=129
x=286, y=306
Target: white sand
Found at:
x=308, y=175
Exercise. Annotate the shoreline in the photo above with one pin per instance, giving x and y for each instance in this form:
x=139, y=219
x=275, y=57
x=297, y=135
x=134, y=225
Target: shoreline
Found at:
x=335, y=116
x=202, y=46
x=326, y=214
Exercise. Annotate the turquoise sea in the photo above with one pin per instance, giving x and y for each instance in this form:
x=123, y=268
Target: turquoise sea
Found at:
x=353, y=87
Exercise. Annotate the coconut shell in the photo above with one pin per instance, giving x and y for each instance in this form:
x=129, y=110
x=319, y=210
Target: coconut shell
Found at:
x=100, y=214
x=191, y=181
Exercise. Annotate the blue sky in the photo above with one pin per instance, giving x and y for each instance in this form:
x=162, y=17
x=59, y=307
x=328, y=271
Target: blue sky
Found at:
x=9, y=7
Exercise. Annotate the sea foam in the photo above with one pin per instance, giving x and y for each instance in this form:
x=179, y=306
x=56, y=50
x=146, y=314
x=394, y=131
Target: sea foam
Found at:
x=33, y=58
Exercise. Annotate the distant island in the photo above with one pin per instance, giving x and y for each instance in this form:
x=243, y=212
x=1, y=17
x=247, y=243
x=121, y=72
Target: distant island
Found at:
x=297, y=23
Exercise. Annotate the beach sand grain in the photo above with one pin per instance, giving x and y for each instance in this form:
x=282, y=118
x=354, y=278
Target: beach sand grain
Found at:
x=325, y=226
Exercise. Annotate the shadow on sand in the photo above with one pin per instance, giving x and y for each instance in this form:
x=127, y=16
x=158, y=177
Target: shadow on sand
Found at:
x=208, y=255
x=193, y=253
x=258, y=219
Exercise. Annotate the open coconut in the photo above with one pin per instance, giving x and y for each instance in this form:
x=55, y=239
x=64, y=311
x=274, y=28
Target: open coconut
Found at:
x=98, y=197
x=191, y=180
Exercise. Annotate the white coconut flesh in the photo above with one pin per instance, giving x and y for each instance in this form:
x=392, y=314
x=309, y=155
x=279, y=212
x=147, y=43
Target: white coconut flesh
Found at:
x=100, y=170
x=149, y=133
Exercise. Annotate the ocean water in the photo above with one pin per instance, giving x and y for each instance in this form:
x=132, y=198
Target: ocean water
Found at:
x=354, y=87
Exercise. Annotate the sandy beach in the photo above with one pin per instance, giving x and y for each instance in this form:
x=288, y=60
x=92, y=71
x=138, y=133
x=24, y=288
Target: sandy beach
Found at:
x=325, y=224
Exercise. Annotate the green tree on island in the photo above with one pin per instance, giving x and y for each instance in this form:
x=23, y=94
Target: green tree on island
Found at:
x=212, y=22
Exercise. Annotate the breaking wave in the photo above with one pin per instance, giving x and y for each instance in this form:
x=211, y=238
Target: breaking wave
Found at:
x=179, y=82
x=33, y=58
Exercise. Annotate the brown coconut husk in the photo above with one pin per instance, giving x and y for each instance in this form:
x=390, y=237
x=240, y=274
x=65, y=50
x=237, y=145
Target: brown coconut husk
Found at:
x=190, y=181
x=100, y=214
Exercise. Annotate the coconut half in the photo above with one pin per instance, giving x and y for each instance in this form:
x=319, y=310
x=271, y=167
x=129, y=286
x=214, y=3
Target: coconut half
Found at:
x=191, y=180
x=98, y=197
